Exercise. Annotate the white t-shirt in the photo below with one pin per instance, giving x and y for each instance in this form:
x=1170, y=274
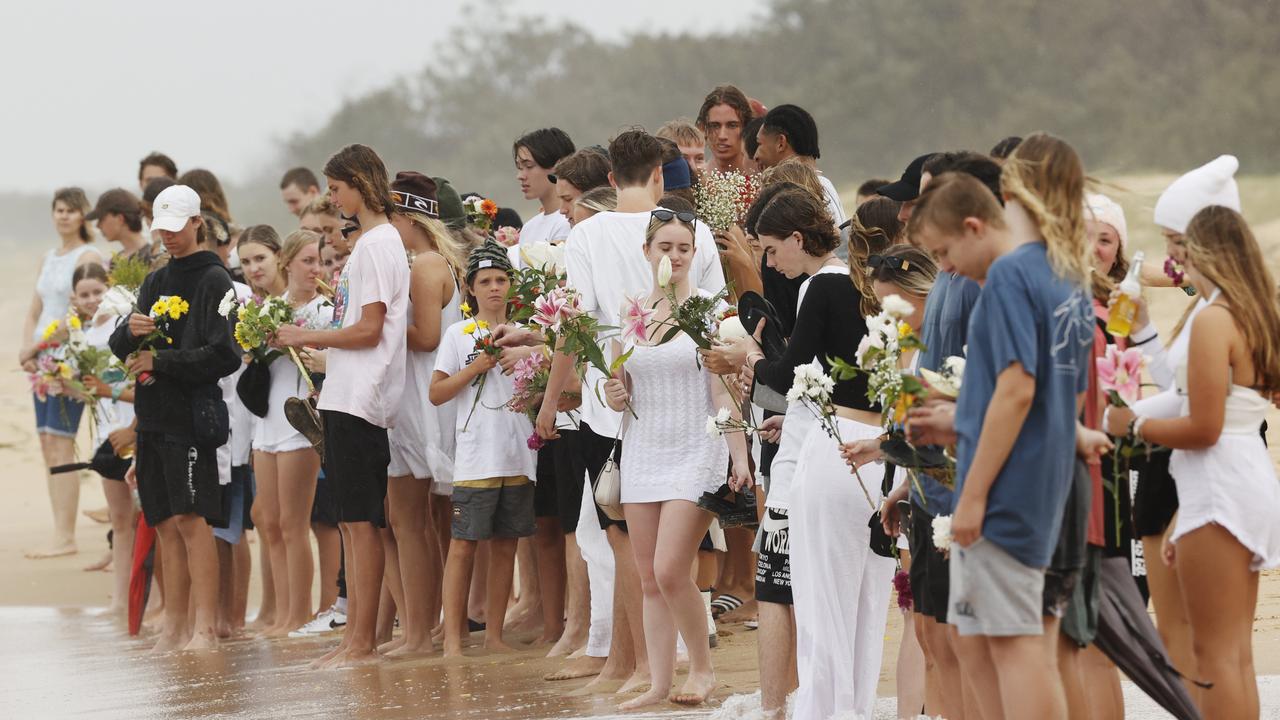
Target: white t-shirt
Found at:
x=367, y=383
x=833, y=200
x=494, y=442
x=111, y=414
x=605, y=259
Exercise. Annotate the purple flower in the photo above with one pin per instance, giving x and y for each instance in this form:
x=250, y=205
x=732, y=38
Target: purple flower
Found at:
x=902, y=585
x=535, y=441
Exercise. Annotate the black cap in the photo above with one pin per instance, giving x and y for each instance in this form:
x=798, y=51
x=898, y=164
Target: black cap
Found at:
x=416, y=193
x=116, y=201
x=908, y=186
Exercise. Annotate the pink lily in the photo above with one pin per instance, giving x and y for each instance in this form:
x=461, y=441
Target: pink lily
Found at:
x=1120, y=374
x=635, y=321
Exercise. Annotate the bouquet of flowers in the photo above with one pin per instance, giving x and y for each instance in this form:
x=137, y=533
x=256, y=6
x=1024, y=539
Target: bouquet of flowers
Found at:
x=257, y=320
x=813, y=388
x=723, y=198
x=123, y=282
x=946, y=382
x=529, y=384
x=507, y=235
x=1120, y=377
x=544, y=269
x=478, y=330
x=573, y=332
x=480, y=213
x=52, y=374
x=723, y=422
x=165, y=311
x=698, y=316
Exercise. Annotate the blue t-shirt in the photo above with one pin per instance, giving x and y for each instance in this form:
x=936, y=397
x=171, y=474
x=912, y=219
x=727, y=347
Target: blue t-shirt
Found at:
x=1026, y=314
x=943, y=332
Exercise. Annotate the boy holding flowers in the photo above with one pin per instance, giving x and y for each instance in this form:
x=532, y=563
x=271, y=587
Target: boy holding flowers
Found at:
x=494, y=468
x=185, y=347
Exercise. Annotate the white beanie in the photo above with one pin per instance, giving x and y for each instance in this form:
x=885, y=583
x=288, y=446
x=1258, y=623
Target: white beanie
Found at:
x=1105, y=210
x=1213, y=183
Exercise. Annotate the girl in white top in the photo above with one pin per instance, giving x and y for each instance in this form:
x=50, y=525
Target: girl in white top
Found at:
x=57, y=418
x=285, y=466
x=1229, y=497
x=667, y=463
x=115, y=416
x=422, y=441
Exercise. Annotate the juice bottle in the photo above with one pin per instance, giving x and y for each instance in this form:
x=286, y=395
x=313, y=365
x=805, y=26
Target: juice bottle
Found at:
x=1125, y=307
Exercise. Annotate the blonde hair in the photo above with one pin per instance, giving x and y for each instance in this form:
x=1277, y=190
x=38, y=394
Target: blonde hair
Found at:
x=292, y=245
x=681, y=131
x=794, y=170
x=598, y=200
x=443, y=242
x=1222, y=248
x=1045, y=176
x=917, y=275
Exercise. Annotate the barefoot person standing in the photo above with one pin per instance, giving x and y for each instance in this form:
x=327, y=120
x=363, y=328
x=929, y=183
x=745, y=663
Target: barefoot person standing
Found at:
x=182, y=419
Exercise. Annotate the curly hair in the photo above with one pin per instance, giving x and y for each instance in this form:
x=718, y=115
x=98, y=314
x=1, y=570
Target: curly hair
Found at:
x=361, y=168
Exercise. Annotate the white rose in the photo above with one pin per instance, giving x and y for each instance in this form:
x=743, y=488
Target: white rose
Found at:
x=897, y=308
x=942, y=532
x=731, y=329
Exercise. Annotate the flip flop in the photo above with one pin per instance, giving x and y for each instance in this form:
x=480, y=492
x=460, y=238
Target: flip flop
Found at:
x=724, y=604
x=739, y=512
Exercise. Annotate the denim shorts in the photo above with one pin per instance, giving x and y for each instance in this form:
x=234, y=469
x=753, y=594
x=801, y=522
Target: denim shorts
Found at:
x=58, y=415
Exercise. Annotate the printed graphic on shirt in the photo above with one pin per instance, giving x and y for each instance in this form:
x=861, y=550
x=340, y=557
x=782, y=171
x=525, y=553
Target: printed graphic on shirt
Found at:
x=341, y=295
x=1072, y=330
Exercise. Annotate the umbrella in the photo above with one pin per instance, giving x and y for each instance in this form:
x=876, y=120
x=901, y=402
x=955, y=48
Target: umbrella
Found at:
x=1127, y=636
x=140, y=573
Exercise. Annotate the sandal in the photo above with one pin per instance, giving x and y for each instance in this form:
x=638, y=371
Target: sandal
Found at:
x=725, y=604
x=739, y=512
x=898, y=451
x=303, y=416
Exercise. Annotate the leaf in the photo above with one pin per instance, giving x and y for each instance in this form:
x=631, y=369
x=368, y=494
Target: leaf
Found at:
x=620, y=361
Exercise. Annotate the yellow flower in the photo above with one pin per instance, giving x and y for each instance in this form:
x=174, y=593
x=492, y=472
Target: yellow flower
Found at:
x=177, y=307
x=160, y=308
x=465, y=308
x=468, y=328
x=240, y=339
x=64, y=371
x=241, y=313
x=903, y=330
x=483, y=325
x=74, y=322
x=51, y=329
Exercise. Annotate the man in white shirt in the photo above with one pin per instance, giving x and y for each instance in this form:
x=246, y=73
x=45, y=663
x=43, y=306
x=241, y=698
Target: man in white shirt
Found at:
x=535, y=154
x=789, y=131
x=606, y=264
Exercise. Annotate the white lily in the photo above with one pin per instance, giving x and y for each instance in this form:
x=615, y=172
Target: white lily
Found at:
x=664, y=271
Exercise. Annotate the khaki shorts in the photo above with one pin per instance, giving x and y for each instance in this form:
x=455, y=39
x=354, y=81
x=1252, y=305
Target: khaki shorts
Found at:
x=494, y=507
x=993, y=594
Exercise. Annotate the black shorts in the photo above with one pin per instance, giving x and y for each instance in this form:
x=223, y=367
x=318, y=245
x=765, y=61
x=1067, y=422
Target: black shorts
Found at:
x=773, y=559
x=595, y=450
x=545, y=492
x=356, y=456
x=177, y=478
x=571, y=471
x=1156, y=498
x=930, y=569
x=324, y=509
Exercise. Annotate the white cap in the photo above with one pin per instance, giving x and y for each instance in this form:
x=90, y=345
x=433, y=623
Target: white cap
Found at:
x=1213, y=183
x=1105, y=210
x=173, y=207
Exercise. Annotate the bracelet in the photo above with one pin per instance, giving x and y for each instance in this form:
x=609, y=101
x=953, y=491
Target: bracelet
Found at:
x=1136, y=430
x=116, y=390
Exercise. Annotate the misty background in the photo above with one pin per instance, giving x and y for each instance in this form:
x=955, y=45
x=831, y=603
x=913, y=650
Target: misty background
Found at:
x=249, y=89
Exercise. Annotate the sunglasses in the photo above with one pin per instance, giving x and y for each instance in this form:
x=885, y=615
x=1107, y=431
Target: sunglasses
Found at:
x=665, y=215
x=875, y=262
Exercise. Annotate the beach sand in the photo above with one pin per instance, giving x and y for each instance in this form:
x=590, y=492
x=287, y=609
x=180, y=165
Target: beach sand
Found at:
x=63, y=658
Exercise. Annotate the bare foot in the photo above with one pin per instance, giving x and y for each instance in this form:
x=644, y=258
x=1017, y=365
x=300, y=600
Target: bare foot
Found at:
x=523, y=617
x=497, y=645
x=574, y=669
x=405, y=650
x=355, y=658
x=567, y=644
x=634, y=684
x=202, y=641
x=580, y=652
x=697, y=688
x=100, y=515
x=390, y=647
x=167, y=642
x=323, y=660
x=57, y=550
x=452, y=651
x=102, y=564
x=648, y=699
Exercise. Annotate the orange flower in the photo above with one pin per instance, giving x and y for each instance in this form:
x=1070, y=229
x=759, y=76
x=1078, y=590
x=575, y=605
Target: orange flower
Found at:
x=490, y=208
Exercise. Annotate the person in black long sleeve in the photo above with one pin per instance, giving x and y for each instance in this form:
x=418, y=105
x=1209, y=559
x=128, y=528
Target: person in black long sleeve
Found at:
x=181, y=416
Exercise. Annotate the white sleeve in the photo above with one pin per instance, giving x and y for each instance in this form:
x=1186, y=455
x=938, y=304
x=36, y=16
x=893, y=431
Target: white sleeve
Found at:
x=1164, y=406
x=1148, y=341
x=710, y=276
x=577, y=261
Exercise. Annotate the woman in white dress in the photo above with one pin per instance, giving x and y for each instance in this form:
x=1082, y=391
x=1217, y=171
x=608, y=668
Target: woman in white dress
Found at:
x=58, y=417
x=1225, y=531
x=285, y=466
x=670, y=460
x=421, y=454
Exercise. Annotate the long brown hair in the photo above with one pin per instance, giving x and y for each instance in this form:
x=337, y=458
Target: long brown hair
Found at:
x=1223, y=249
x=361, y=168
x=873, y=228
x=74, y=198
x=1045, y=175
x=206, y=185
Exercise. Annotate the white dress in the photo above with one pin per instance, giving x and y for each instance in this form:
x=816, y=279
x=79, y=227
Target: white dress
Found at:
x=667, y=453
x=273, y=433
x=1233, y=482
x=422, y=441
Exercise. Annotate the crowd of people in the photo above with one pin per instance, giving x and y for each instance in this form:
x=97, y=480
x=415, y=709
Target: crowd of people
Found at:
x=371, y=444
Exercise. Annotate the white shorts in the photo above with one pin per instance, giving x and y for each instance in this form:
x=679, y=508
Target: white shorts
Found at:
x=408, y=462
x=290, y=444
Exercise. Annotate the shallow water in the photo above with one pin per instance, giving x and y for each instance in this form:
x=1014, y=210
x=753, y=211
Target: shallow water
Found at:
x=67, y=663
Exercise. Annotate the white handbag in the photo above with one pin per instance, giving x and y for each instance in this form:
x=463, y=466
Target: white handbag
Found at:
x=608, y=487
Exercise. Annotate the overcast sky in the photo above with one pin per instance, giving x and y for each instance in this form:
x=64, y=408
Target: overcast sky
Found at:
x=90, y=87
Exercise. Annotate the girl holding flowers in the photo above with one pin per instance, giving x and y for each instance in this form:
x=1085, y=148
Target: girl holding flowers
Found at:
x=285, y=466
x=669, y=463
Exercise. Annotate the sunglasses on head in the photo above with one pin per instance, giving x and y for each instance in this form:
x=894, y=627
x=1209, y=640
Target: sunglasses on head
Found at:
x=665, y=215
x=876, y=262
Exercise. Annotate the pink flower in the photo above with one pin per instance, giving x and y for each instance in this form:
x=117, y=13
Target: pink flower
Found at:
x=1120, y=374
x=552, y=309
x=535, y=441
x=507, y=235
x=635, y=321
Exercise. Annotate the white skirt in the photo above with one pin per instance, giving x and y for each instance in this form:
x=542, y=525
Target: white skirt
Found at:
x=841, y=588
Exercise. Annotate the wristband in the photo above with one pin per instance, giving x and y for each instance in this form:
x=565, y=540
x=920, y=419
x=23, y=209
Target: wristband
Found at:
x=116, y=390
x=1143, y=336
